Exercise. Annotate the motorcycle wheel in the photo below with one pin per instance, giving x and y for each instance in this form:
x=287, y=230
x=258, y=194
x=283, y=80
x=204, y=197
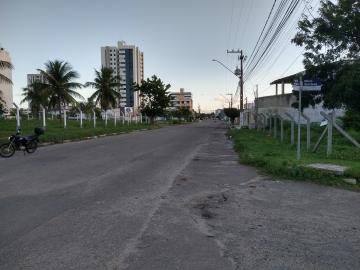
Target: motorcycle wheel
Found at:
x=7, y=150
x=31, y=147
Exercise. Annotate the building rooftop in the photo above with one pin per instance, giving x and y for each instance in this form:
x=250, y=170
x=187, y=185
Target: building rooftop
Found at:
x=288, y=79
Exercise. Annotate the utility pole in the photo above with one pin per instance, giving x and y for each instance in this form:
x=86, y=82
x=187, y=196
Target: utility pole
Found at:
x=231, y=99
x=256, y=93
x=298, y=152
x=240, y=74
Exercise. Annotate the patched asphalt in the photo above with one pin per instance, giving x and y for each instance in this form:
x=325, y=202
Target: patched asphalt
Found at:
x=173, y=198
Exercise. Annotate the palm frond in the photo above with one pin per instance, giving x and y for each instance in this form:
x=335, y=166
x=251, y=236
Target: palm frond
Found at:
x=90, y=84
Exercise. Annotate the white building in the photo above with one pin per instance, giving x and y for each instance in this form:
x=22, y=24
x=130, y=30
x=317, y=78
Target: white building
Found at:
x=127, y=62
x=6, y=88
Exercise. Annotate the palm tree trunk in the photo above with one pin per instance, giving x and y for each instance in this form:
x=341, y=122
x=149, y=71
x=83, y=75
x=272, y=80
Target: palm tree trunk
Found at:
x=152, y=120
x=60, y=111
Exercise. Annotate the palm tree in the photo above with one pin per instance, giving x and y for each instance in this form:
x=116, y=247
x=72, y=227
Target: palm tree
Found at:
x=105, y=84
x=59, y=84
x=36, y=96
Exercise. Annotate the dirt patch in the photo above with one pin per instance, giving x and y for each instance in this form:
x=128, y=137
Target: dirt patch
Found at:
x=205, y=206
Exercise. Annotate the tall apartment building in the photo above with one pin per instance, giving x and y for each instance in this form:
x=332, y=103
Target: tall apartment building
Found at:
x=127, y=62
x=6, y=88
x=181, y=99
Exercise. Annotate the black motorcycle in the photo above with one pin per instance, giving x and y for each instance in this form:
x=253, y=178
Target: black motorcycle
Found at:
x=21, y=143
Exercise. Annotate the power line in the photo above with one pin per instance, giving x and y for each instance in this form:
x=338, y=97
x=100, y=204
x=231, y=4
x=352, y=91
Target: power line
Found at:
x=244, y=28
x=289, y=11
x=286, y=37
x=275, y=28
x=262, y=31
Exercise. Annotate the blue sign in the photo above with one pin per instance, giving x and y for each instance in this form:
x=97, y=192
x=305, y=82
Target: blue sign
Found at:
x=308, y=85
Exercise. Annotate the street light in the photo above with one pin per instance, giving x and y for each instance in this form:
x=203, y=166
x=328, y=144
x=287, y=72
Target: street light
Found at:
x=238, y=74
x=236, y=70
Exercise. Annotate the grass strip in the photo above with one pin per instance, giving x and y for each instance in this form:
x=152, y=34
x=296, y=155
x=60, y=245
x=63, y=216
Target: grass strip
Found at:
x=270, y=156
x=56, y=133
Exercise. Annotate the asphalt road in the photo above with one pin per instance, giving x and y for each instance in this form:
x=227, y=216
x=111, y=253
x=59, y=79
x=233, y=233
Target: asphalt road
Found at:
x=173, y=198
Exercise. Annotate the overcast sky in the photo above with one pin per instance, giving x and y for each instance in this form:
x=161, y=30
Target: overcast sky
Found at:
x=179, y=39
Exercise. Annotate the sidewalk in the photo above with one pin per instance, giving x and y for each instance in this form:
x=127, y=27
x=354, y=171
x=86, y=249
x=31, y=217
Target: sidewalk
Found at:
x=222, y=215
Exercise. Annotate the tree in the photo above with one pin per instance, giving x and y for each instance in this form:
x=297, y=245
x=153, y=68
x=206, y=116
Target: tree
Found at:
x=232, y=113
x=36, y=96
x=332, y=44
x=86, y=108
x=182, y=112
x=105, y=84
x=2, y=108
x=2, y=104
x=154, y=97
x=59, y=84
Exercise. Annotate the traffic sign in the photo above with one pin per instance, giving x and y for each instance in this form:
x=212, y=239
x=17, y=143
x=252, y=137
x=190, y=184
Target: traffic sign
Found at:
x=308, y=85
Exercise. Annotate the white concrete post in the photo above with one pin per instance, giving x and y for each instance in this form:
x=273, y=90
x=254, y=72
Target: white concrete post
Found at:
x=106, y=118
x=43, y=116
x=115, y=118
x=17, y=116
x=330, y=134
x=317, y=144
x=270, y=123
x=275, y=126
x=308, y=139
x=298, y=152
x=94, y=118
x=292, y=127
x=263, y=122
x=281, y=129
x=65, y=122
x=81, y=119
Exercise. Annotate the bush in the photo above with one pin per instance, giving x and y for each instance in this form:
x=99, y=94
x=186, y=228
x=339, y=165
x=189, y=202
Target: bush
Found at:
x=351, y=120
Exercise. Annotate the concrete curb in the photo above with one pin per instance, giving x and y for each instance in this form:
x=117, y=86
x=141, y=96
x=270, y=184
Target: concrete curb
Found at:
x=92, y=138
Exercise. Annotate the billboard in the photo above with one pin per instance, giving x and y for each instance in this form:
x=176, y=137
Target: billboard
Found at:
x=128, y=110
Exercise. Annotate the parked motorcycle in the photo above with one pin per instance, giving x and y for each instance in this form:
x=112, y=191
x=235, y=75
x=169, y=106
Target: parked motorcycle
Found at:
x=21, y=143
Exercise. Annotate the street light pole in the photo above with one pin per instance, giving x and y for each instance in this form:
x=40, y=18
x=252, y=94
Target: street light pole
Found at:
x=231, y=99
x=240, y=74
x=298, y=152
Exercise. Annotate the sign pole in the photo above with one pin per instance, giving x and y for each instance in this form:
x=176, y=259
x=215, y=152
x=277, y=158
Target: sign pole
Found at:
x=298, y=156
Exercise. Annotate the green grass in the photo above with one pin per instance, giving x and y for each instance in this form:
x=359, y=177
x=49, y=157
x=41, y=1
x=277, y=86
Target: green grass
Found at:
x=56, y=133
x=259, y=149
